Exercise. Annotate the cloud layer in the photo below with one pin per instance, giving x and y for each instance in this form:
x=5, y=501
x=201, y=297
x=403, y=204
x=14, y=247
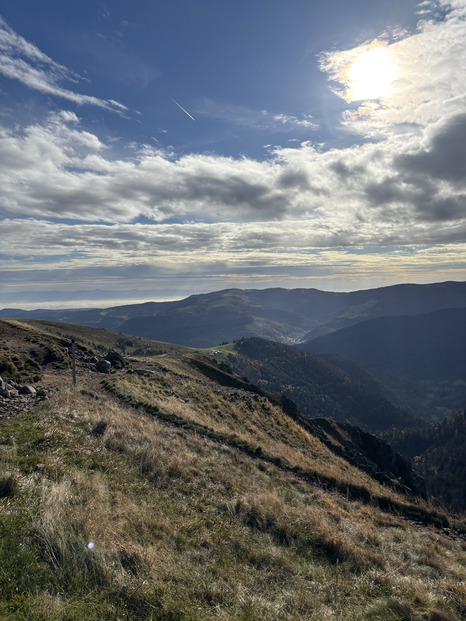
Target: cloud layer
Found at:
x=74, y=201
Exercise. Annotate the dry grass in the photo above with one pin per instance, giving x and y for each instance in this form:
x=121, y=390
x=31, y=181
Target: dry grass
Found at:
x=186, y=527
x=237, y=416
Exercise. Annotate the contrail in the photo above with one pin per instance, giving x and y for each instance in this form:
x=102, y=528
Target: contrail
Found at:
x=181, y=108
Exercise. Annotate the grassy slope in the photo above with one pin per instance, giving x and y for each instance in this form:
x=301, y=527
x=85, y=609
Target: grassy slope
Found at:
x=190, y=523
x=97, y=338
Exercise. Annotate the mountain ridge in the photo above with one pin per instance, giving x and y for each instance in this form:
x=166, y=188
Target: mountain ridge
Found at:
x=286, y=315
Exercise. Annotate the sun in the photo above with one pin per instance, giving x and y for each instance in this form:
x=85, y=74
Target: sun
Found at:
x=367, y=72
x=372, y=75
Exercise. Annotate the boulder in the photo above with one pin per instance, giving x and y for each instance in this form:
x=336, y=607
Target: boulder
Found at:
x=116, y=360
x=104, y=366
x=27, y=390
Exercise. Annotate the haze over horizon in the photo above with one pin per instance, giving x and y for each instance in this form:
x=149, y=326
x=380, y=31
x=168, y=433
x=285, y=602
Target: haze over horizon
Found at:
x=154, y=151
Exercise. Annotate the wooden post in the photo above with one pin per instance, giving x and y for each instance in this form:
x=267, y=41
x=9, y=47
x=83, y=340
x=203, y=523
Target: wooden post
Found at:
x=73, y=358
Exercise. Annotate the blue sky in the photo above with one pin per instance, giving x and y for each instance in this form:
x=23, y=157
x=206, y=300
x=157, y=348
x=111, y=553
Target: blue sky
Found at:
x=152, y=150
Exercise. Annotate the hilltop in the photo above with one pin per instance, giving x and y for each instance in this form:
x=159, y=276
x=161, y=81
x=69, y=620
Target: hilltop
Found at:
x=170, y=488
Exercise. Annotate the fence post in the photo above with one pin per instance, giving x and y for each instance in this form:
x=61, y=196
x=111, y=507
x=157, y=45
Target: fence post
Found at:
x=73, y=358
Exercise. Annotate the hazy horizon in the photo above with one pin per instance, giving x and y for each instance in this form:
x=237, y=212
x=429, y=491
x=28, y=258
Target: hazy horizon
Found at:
x=77, y=300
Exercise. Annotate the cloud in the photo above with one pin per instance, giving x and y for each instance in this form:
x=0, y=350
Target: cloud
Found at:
x=393, y=201
x=23, y=61
x=369, y=193
x=441, y=154
x=257, y=119
x=171, y=272
x=431, y=81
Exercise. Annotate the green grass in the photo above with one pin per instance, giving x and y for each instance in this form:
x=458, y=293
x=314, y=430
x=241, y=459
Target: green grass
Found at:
x=95, y=338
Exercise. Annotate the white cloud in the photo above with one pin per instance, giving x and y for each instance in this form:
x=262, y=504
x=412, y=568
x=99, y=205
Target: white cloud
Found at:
x=23, y=61
x=367, y=193
x=431, y=80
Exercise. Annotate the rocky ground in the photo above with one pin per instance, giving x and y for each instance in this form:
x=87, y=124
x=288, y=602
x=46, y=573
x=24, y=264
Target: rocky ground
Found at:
x=29, y=373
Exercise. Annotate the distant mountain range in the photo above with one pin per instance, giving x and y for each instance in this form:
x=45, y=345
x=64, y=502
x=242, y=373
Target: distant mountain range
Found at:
x=286, y=315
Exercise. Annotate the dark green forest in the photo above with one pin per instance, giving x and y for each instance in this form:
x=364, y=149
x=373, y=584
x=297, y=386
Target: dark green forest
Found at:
x=439, y=456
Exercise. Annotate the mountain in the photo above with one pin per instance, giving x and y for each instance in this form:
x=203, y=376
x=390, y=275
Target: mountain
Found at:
x=318, y=388
x=428, y=346
x=172, y=489
x=418, y=362
x=286, y=315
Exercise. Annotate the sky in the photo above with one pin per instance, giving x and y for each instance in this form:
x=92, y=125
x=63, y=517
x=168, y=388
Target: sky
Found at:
x=152, y=150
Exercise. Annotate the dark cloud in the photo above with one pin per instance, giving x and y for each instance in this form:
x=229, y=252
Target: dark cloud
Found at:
x=440, y=209
x=395, y=189
x=289, y=180
x=344, y=171
x=419, y=200
x=444, y=156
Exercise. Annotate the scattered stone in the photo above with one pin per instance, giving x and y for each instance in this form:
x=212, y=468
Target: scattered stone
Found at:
x=144, y=372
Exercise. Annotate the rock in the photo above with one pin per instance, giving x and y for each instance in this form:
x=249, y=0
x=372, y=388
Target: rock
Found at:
x=93, y=359
x=116, y=360
x=144, y=372
x=5, y=393
x=104, y=366
x=2, y=384
x=27, y=390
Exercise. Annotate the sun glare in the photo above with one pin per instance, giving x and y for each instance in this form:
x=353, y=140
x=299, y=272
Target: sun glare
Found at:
x=371, y=75
x=366, y=72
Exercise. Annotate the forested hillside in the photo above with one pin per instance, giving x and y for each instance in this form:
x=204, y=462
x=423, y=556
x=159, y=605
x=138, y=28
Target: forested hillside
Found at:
x=318, y=388
x=439, y=456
